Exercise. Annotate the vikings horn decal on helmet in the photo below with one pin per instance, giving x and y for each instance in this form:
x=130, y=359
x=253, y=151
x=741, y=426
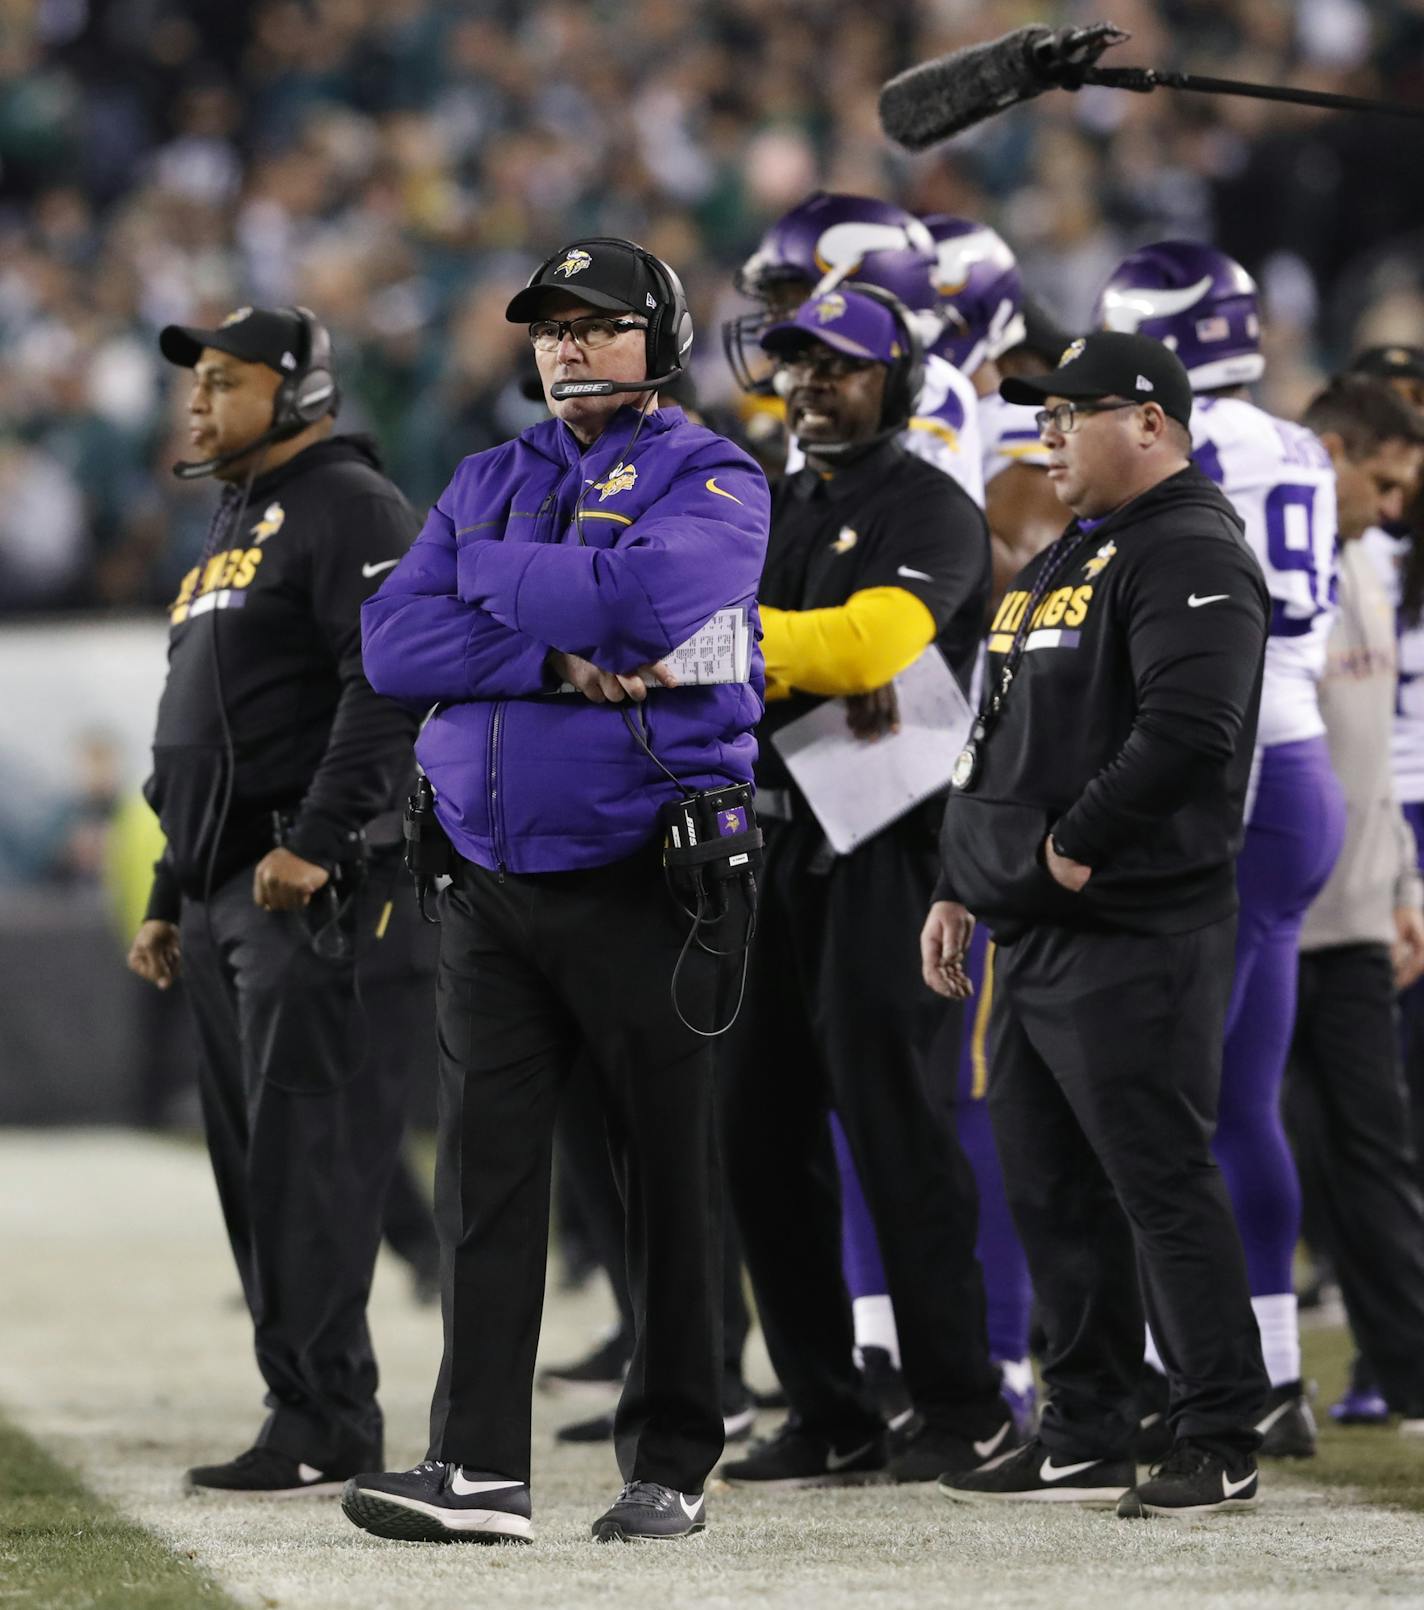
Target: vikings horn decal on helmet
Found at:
x=980, y=288
x=1195, y=300
x=824, y=240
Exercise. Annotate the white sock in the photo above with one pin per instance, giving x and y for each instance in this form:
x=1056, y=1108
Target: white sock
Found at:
x=875, y=1325
x=1150, y=1356
x=1280, y=1336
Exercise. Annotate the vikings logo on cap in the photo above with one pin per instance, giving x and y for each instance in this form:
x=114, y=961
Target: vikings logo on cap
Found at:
x=575, y=263
x=621, y=478
x=1074, y=349
x=237, y=315
x=829, y=308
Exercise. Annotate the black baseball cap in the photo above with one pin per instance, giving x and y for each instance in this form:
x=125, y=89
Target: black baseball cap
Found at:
x=273, y=336
x=1395, y=362
x=1111, y=363
x=609, y=274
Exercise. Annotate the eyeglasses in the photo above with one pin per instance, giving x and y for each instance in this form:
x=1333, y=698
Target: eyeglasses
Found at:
x=824, y=363
x=591, y=332
x=1064, y=416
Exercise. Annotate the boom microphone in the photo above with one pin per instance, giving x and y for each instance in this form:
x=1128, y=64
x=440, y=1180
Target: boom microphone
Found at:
x=926, y=104
x=193, y=469
x=563, y=389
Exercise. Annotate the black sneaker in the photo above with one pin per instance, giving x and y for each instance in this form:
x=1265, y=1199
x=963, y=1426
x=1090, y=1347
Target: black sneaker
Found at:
x=647, y=1512
x=934, y=1451
x=1287, y=1427
x=599, y=1373
x=1154, y=1435
x=1032, y=1475
x=597, y=1428
x=264, y=1473
x=1192, y=1480
x=885, y=1386
x=798, y=1458
x=439, y=1503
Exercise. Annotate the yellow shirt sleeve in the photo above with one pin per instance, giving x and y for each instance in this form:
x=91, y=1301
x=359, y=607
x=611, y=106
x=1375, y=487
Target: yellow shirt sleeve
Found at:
x=855, y=647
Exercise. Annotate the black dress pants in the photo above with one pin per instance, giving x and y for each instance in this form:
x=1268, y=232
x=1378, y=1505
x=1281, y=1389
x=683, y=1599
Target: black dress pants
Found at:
x=1103, y=1092
x=583, y=1155
x=303, y=1130
x=535, y=971
x=1349, y=1116
x=837, y=1017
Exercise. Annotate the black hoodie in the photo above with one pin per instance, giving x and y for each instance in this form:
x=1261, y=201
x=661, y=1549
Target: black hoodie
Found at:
x=266, y=631
x=1128, y=729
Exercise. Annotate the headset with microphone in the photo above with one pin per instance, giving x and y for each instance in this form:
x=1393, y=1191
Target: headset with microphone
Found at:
x=307, y=394
x=669, y=334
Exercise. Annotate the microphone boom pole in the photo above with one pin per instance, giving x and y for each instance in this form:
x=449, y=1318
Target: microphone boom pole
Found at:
x=1142, y=80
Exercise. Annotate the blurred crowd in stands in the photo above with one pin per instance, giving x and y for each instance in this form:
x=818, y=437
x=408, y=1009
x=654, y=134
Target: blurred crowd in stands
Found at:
x=400, y=165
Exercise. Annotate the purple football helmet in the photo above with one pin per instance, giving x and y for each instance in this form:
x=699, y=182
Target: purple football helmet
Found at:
x=980, y=288
x=1195, y=300
x=819, y=243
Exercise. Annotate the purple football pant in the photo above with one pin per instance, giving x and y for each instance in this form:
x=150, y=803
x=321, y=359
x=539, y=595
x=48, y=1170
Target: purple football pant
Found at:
x=1292, y=841
x=1006, y=1282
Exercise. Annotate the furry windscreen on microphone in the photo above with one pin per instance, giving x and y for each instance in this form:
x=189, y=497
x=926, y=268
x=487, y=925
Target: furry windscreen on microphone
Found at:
x=927, y=104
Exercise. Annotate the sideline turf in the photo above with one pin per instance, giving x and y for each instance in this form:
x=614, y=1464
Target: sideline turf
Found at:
x=63, y=1549
x=1375, y=1461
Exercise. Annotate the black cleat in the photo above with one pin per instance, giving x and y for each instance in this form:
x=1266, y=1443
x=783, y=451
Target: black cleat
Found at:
x=264, y=1473
x=647, y=1512
x=1032, y=1475
x=1193, y=1481
x=597, y=1374
x=798, y=1458
x=934, y=1451
x=439, y=1503
x=1288, y=1426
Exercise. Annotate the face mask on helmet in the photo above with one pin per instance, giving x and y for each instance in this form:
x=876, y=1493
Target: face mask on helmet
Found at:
x=821, y=243
x=1195, y=300
x=980, y=289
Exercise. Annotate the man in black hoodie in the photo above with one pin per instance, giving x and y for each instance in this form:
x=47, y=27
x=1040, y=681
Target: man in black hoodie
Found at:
x=270, y=757
x=1094, y=824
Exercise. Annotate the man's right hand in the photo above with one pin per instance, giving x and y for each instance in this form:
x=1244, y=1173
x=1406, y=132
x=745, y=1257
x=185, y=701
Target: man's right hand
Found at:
x=944, y=943
x=154, y=954
x=607, y=687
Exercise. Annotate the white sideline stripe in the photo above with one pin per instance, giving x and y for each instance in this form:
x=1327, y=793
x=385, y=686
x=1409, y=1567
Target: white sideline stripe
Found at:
x=460, y=1520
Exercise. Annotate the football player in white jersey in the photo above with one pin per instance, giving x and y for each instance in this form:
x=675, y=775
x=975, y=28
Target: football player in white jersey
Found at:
x=983, y=304
x=829, y=239
x=1203, y=305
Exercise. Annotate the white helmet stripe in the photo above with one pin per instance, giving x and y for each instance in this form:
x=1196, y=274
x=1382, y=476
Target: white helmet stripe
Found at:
x=1126, y=309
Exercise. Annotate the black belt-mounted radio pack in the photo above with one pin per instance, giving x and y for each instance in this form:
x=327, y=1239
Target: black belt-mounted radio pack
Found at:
x=428, y=852
x=710, y=841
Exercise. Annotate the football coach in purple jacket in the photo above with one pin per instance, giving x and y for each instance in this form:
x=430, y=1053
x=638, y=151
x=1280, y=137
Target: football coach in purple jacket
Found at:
x=580, y=553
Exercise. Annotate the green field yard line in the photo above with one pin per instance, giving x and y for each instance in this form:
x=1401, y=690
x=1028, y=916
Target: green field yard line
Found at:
x=63, y=1549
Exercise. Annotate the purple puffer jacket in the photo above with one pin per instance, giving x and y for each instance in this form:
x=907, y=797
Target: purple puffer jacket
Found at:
x=527, y=779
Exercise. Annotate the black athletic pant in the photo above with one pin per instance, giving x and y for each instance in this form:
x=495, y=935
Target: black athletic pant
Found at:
x=583, y=1155
x=1350, y=1119
x=303, y=1131
x=836, y=1016
x=535, y=971
x=1103, y=1088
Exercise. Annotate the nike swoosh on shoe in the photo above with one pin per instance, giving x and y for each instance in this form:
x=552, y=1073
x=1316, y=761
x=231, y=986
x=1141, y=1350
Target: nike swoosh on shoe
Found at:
x=1048, y=1471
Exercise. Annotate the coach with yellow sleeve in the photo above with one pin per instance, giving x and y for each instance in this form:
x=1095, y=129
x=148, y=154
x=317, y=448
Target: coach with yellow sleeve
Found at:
x=1094, y=823
x=875, y=557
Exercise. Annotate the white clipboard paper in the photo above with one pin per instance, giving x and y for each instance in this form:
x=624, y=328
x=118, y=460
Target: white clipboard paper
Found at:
x=857, y=787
